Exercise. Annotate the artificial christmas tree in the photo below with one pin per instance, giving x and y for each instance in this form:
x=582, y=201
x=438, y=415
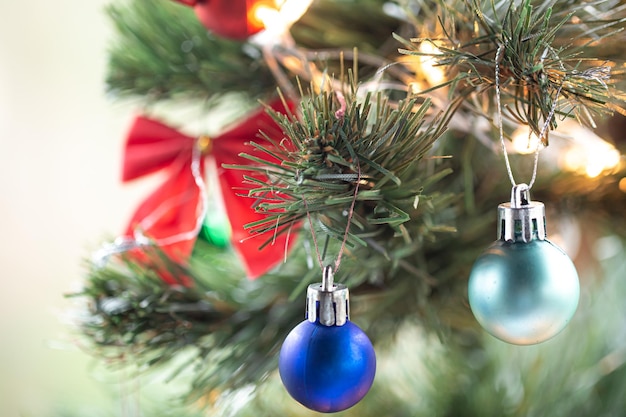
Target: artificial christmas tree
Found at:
x=388, y=168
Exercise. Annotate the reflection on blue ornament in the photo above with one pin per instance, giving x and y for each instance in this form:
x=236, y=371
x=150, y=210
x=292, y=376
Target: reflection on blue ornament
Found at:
x=327, y=368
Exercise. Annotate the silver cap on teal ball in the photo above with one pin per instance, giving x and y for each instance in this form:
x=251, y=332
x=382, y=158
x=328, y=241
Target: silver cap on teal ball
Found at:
x=521, y=220
x=523, y=289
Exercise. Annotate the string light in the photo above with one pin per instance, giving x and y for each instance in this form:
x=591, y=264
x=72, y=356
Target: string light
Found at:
x=588, y=154
x=576, y=148
x=433, y=74
x=523, y=141
x=263, y=13
x=277, y=17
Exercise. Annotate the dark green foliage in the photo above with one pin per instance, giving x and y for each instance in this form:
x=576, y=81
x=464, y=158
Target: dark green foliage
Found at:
x=162, y=52
x=348, y=24
x=371, y=153
x=130, y=306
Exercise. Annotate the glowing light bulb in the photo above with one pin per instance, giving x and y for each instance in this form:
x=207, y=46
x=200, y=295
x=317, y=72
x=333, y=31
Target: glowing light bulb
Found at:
x=589, y=154
x=594, y=168
x=612, y=158
x=525, y=142
x=277, y=17
x=241, y=19
x=433, y=74
x=603, y=157
x=573, y=159
x=263, y=15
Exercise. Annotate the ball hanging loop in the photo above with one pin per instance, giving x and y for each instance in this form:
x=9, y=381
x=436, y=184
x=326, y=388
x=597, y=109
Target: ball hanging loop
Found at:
x=523, y=289
x=328, y=302
x=328, y=279
x=327, y=363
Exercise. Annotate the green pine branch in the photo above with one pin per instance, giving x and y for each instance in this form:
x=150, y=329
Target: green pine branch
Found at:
x=230, y=327
x=544, y=51
x=378, y=152
x=372, y=152
x=349, y=24
x=161, y=50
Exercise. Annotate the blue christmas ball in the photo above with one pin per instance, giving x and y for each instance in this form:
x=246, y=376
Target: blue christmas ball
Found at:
x=327, y=368
x=523, y=293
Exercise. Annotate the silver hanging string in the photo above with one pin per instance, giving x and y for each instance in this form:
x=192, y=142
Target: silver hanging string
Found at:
x=544, y=128
x=347, y=230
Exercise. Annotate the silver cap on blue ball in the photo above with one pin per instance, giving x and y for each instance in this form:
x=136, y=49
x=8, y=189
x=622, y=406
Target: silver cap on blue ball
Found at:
x=328, y=302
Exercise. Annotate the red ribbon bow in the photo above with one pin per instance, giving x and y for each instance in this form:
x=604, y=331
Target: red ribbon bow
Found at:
x=171, y=217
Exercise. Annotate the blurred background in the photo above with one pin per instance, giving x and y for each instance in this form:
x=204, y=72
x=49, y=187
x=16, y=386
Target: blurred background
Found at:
x=60, y=196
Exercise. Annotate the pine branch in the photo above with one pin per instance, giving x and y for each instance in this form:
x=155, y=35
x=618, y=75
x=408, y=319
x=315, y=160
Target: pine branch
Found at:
x=332, y=24
x=377, y=152
x=162, y=51
x=232, y=325
x=546, y=64
x=373, y=152
x=231, y=328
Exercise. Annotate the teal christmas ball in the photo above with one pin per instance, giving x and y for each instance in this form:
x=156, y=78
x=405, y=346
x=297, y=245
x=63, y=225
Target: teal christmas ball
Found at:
x=523, y=293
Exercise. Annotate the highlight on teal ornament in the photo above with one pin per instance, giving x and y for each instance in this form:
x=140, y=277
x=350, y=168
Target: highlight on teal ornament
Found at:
x=523, y=289
x=327, y=363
